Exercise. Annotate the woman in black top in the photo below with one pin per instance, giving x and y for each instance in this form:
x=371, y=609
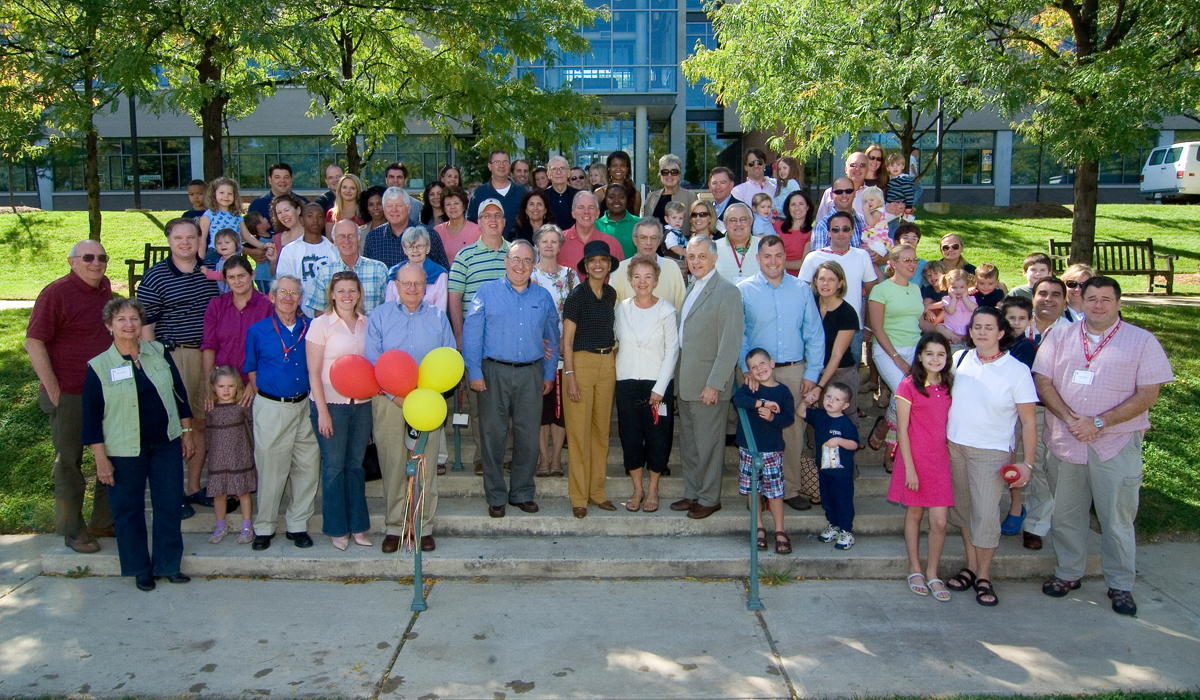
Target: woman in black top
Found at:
x=841, y=323
x=590, y=372
x=533, y=213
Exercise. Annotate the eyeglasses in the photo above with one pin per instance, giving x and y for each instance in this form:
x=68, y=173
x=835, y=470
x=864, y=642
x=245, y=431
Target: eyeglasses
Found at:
x=877, y=159
x=93, y=257
x=287, y=293
x=492, y=217
x=415, y=246
x=1073, y=284
x=700, y=214
x=841, y=229
x=843, y=192
x=577, y=178
x=738, y=220
x=499, y=162
x=951, y=246
x=754, y=163
x=521, y=261
x=668, y=173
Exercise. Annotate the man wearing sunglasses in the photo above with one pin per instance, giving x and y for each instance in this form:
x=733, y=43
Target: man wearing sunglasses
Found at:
x=670, y=167
x=843, y=196
x=757, y=181
x=65, y=331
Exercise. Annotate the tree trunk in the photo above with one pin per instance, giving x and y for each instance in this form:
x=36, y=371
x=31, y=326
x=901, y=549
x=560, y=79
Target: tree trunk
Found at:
x=1083, y=222
x=212, y=114
x=91, y=172
x=353, y=157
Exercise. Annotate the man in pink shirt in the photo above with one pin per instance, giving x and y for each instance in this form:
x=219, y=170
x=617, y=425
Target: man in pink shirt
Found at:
x=585, y=209
x=1098, y=379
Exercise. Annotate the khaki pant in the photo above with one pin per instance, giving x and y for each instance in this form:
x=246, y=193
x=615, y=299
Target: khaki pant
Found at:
x=66, y=433
x=588, y=423
x=978, y=487
x=1038, y=495
x=393, y=461
x=793, y=435
x=285, y=448
x=1114, y=487
x=702, y=446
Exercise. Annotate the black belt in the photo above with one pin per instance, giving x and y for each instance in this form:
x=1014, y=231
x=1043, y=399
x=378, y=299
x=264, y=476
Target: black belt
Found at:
x=604, y=351
x=513, y=364
x=284, y=399
x=787, y=364
x=171, y=345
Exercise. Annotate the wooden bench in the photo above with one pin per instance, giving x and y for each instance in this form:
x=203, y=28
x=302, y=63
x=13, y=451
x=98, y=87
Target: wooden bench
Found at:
x=1122, y=258
x=138, y=267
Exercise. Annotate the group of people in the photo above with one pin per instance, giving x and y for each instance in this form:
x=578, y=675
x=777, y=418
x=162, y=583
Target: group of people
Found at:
x=668, y=317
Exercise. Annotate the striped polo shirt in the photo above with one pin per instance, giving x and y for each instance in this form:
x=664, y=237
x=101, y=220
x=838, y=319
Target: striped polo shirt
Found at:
x=474, y=265
x=176, y=301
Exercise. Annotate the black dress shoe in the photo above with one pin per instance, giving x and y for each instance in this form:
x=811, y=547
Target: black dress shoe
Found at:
x=261, y=542
x=301, y=539
x=798, y=502
x=496, y=511
x=198, y=498
x=145, y=583
x=731, y=440
x=176, y=578
x=526, y=507
x=427, y=543
x=188, y=511
x=232, y=504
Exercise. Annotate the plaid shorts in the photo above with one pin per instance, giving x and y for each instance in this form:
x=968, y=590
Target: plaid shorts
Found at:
x=770, y=482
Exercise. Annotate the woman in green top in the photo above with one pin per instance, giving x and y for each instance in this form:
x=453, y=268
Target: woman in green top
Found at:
x=895, y=309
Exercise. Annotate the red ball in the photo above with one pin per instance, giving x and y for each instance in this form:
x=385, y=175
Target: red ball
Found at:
x=353, y=377
x=396, y=371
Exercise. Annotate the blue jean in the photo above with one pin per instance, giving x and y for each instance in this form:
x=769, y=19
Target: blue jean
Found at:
x=856, y=345
x=343, y=481
x=162, y=465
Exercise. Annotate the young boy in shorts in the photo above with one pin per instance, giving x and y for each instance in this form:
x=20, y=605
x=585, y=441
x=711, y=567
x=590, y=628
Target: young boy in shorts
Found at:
x=836, y=437
x=769, y=409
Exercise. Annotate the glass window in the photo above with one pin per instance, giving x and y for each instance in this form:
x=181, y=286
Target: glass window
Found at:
x=967, y=156
x=24, y=177
x=707, y=148
x=700, y=33
x=1030, y=162
x=163, y=164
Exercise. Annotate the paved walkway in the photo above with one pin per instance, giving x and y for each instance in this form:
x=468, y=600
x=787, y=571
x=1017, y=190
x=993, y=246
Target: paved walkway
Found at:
x=101, y=637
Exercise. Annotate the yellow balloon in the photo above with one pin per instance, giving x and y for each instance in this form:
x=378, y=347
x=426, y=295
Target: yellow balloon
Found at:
x=424, y=409
x=440, y=370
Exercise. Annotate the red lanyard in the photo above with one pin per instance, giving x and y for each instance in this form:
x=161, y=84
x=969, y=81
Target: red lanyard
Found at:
x=736, y=259
x=1089, y=356
x=286, y=349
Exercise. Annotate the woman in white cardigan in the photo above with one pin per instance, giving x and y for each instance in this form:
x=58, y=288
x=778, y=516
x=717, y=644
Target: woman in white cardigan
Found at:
x=647, y=349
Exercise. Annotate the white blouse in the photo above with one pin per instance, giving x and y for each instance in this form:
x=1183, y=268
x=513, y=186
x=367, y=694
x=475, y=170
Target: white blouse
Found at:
x=648, y=343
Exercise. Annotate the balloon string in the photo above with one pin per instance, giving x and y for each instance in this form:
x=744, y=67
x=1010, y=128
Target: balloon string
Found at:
x=408, y=526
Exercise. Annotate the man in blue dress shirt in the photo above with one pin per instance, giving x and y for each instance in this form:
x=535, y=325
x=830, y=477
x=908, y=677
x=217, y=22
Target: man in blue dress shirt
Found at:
x=782, y=317
x=284, y=444
x=510, y=348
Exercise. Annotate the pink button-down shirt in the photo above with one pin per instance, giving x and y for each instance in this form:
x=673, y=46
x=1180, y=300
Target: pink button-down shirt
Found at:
x=332, y=332
x=225, y=327
x=1132, y=358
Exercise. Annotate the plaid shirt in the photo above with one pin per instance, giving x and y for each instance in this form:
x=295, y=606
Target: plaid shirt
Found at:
x=372, y=273
x=1132, y=358
x=384, y=245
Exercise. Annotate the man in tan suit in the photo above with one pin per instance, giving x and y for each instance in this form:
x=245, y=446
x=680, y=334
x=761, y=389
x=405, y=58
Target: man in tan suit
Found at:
x=710, y=338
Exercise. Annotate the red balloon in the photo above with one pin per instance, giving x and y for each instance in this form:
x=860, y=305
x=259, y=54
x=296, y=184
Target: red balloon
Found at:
x=353, y=377
x=396, y=371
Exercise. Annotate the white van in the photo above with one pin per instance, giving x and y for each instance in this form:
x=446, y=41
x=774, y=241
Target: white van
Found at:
x=1173, y=172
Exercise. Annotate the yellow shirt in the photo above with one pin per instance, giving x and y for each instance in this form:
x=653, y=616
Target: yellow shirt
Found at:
x=670, y=282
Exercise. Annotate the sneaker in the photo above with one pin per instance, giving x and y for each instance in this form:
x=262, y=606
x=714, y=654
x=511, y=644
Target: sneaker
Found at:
x=830, y=533
x=219, y=533
x=247, y=535
x=845, y=540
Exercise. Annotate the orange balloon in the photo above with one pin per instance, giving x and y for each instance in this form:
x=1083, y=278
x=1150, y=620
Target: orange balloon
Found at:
x=353, y=377
x=396, y=371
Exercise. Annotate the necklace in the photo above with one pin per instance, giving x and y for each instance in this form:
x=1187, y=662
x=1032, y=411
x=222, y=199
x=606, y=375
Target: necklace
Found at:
x=992, y=358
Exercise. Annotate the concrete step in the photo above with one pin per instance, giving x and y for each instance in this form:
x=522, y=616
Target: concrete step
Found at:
x=725, y=556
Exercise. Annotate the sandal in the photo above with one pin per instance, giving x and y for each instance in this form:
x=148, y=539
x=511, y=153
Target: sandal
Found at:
x=542, y=472
x=939, y=589
x=762, y=539
x=634, y=504
x=877, y=443
x=918, y=587
x=984, y=594
x=784, y=545
x=1057, y=587
x=556, y=471
x=651, y=503
x=962, y=580
x=441, y=469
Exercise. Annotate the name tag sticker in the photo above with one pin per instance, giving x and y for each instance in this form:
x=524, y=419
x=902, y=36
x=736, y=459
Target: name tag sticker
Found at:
x=119, y=373
x=1083, y=376
x=662, y=408
x=460, y=419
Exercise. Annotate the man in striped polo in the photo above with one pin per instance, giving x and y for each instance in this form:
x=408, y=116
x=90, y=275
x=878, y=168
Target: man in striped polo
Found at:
x=176, y=293
x=480, y=262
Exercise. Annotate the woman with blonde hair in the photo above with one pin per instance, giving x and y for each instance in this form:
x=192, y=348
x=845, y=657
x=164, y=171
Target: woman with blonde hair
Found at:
x=345, y=203
x=1074, y=277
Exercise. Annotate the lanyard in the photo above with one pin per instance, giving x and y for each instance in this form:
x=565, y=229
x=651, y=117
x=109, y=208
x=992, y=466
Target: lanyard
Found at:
x=286, y=349
x=1090, y=356
x=736, y=259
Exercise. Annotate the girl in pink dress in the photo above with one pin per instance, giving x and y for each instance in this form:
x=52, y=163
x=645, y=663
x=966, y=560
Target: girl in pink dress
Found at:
x=921, y=479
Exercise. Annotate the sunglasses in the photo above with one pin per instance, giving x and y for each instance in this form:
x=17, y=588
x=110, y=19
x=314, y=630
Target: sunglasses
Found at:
x=92, y=257
x=698, y=214
x=1073, y=284
x=754, y=163
x=877, y=159
x=344, y=275
x=907, y=261
x=843, y=191
x=668, y=173
x=951, y=246
x=841, y=229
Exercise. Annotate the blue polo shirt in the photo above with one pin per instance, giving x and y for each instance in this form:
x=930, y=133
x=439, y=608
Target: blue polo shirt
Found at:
x=278, y=356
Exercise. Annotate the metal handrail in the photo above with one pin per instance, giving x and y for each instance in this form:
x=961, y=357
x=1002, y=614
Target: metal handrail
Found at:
x=756, y=468
x=418, y=604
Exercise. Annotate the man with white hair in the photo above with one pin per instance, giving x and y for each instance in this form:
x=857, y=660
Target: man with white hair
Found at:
x=647, y=235
x=586, y=210
x=384, y=242
x=560, y=195
x=372, y=273
x=65, y=331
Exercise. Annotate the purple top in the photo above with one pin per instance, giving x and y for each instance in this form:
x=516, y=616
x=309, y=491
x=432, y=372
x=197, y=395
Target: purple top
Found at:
x=225, y=327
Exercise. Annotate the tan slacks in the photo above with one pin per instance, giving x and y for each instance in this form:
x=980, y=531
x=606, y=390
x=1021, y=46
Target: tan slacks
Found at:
x=588, y=423
x=393, y=461
x=285, y=448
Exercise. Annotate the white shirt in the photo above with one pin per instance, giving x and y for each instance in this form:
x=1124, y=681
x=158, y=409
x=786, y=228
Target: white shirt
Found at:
x=727, y=262
x=503, y=191
x=305, y=260
x=857, y=266
x=649, y=343
x=984, y=411
x=697, y=287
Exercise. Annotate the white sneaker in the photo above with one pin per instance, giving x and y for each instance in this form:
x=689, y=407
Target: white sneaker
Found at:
x=845, y=540
x=830, y=533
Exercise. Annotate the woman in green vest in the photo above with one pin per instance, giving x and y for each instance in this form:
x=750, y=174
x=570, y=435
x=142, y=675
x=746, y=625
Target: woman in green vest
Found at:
x=137, y=419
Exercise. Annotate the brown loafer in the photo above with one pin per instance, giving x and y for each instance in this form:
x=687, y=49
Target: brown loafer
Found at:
x=109, y=531
x=699, y=512
x=85, y=543
x=579, y=512
x=391, y=543
x=496, y=511
x=478, y=470
x=1031, y=541
x=526, y=507
x=427, y=543
x=683, y=504
x=606, y=505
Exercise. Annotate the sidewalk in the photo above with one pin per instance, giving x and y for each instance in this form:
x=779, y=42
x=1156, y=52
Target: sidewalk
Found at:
x=101, y=637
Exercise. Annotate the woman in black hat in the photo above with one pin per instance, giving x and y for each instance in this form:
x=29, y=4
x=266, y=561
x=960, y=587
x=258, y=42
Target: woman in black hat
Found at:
x=590, y=373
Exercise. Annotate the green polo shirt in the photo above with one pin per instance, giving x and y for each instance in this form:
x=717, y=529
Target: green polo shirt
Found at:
x=621, y=230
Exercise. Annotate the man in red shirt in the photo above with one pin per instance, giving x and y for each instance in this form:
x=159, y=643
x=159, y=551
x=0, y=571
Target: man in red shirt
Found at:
x=586, y=210
x=65, y=331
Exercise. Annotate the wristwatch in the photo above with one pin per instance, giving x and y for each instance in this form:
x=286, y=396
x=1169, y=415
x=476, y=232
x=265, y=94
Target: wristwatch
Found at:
x=1098, y=422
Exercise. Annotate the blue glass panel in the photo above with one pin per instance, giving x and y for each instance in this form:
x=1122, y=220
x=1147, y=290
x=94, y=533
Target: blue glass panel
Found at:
x=625, y=37
x=662, y=42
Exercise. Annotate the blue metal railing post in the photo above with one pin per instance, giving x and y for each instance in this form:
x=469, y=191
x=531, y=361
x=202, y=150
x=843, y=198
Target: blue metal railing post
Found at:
x=458, y=465
x=756, y=461
x=418, y=604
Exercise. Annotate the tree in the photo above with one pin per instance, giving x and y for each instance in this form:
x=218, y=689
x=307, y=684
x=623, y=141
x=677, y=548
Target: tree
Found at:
x=20, y=124
x=1088, y=79
x=816, y=69
x=377, y=66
